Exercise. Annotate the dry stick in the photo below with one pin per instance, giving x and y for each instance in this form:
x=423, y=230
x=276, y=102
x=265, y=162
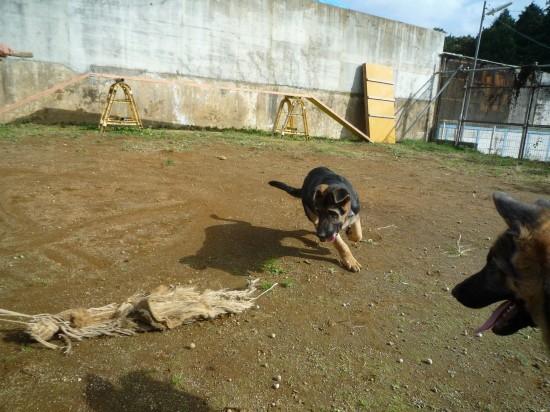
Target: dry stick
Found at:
x=264, y=292
x=21, y=54
x=461, y=249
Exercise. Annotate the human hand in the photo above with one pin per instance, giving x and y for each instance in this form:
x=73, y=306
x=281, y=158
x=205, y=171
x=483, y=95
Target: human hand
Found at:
x=5, y=50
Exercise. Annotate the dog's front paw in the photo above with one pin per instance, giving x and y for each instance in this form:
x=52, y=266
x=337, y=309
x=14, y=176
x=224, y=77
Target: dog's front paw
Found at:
x=354, y=232
x=352, y=264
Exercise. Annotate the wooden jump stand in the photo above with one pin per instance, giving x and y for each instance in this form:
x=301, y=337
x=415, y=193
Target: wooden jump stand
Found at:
x=107, y=119
x=291, y=107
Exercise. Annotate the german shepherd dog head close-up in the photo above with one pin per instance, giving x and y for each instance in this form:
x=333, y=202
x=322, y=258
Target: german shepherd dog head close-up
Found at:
x=517, y=271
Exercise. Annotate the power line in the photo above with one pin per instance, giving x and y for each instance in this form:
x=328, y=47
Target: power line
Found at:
x=523, y=35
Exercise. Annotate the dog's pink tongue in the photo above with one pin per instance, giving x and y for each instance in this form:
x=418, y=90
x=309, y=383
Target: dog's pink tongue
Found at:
x=332, y=238
x=493, y=318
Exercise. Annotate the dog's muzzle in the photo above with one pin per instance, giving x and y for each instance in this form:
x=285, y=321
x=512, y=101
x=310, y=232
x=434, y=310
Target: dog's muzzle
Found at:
x=330, y=238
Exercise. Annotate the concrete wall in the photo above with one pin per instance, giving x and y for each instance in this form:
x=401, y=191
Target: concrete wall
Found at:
x=540, y=110
x=284, y=45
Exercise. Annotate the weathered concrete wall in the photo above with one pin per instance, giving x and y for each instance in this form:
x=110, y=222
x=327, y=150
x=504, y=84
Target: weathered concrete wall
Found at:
x=285, y=45
x=540, y=110
x=542, y=104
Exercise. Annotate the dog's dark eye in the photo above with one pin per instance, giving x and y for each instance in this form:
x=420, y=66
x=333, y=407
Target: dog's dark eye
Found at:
x=333, y=214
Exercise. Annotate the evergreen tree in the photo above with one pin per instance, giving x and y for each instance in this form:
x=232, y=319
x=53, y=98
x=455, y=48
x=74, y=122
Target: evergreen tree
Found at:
x=465, y=45
x=498, y=42
x=545, y=35
x=506, y=41
x=530, y=24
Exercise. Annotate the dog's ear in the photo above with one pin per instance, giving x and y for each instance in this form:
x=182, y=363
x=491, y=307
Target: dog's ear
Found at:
x=515, y=214
x=341, y=196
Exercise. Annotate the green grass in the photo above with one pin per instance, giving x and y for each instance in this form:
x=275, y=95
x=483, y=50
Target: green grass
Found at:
x=9, y=358
x=265, y=286
x=26, y=348
x=272, y=267
x=287, y=283
x=462, y=160
x=470, y=161
x=178, y=379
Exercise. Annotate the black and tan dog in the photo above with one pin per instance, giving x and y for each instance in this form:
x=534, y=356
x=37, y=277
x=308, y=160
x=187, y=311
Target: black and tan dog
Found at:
x=517, y=271
x=331, y=203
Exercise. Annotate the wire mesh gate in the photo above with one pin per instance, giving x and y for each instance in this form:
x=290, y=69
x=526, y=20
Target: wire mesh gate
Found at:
x=509, y=109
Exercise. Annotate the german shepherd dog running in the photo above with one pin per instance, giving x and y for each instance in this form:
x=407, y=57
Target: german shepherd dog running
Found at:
x=517, y=271
x=331, y=203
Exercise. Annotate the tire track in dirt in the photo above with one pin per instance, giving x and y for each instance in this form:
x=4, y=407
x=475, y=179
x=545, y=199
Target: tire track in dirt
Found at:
x=52, y=243
x=71, y=257
x=10, y=220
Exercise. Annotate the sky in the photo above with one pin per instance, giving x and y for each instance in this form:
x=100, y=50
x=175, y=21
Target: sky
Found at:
x=456, y=17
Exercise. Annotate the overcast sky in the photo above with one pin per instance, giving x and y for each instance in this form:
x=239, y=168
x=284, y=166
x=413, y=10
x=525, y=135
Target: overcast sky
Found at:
x=456, y=17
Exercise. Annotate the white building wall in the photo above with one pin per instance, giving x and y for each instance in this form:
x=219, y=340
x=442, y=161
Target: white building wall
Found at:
x=297, y=44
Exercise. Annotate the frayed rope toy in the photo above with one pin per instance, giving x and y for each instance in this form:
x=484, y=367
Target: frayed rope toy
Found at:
x=164, y=308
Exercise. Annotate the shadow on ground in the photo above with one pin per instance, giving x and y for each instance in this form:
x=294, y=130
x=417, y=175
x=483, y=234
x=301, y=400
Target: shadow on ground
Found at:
x=236, y=247
x=138, y=391
x=18, y=337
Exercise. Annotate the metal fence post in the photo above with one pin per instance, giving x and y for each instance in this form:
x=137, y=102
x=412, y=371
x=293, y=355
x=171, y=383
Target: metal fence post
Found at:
x=492, y=136
x=460, y=129
x=449, y=80
x=526, y=124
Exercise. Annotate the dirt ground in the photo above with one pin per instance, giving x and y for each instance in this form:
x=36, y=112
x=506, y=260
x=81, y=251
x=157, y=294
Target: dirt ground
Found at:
x=87, y=220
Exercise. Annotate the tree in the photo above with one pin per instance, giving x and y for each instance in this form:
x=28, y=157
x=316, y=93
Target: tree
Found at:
x=545, y=34
x=531, y=25
x=465, y=45
x=498, y=42
x=506, y=41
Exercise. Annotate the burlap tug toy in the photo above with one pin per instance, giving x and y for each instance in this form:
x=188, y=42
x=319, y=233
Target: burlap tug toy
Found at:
x=163, y=308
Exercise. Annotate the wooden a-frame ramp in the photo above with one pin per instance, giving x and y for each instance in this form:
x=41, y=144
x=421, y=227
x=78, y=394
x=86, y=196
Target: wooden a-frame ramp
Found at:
x=327, y=110
x=324, y=108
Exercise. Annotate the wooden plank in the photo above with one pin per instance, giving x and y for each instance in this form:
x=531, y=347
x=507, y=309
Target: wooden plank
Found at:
x=379, y=102
x=381, y=107
x=378, y=72
x=383, y=128
x=339, y=119
x=379, y=90
x=21, y=54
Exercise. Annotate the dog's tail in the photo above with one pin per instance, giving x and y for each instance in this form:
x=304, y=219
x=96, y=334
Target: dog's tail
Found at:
x=290, y=190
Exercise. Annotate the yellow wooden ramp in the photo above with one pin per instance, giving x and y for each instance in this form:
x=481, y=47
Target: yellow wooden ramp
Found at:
x=327, y=110
x=379, y=103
